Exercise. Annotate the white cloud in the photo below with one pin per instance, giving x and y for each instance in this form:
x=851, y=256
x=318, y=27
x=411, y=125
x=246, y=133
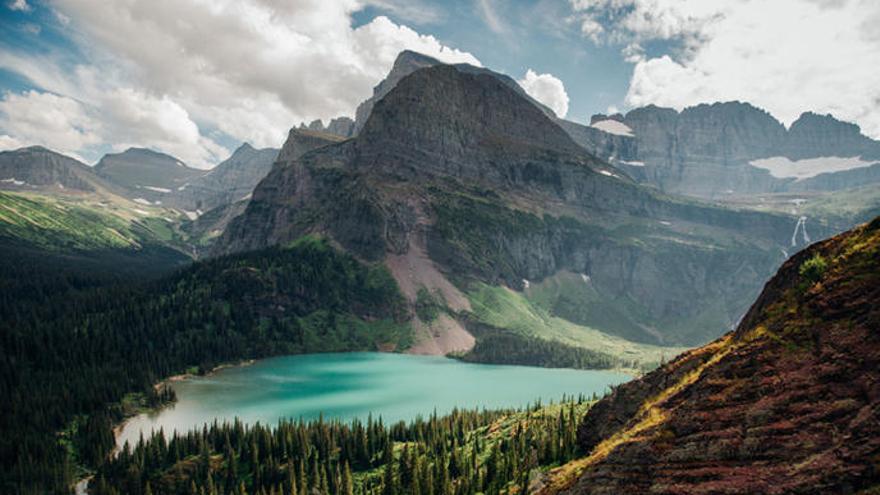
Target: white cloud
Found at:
x=20, y=5
x=10, y=143
x=46, y=119
x=787, y=56
x=547, y=89
x=490, y=17
x=248, y=68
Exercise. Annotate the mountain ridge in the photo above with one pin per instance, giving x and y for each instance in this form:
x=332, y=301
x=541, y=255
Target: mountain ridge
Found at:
x=786, y=403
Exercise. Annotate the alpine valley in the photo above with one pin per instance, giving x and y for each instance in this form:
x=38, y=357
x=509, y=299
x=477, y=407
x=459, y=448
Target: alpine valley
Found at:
x=453, y=215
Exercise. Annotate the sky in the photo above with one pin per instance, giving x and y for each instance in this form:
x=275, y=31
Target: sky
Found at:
x=196, y=78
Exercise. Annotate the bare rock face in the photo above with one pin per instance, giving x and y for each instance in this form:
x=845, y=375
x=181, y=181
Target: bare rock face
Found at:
x=257, y=223
x=788, y=403
x=462, y=165
x=144, y=174
x=706, y=150
x=340, y=127
x=405, y=64
x=37, y=167
x=814, y=135
x=229, y=182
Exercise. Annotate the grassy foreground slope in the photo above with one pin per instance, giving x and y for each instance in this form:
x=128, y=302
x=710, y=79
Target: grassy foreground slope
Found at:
x=789, y=402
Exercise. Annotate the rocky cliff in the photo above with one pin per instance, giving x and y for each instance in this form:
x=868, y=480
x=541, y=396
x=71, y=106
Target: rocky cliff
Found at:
x=459, y=177
x=230, y=181
x=146, y=174
x=787, y=403
x=38, y=168
x=714, y=150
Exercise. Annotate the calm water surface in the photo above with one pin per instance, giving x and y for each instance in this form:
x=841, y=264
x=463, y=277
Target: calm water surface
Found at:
x=346, y=386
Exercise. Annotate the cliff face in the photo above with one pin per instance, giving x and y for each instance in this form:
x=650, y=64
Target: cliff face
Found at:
x=37, y=167
x=230, y=181
x=787, y=403
x=709, y=150
x=457, y=174
x=145, y=174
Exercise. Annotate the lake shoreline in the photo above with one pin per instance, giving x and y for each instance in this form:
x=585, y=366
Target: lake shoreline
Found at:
x=81, y=485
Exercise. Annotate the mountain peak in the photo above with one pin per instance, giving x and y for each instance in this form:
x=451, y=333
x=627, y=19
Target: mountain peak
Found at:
x=446, y=112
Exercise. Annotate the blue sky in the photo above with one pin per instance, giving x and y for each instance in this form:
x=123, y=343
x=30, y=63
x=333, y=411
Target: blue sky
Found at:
x=195, y=79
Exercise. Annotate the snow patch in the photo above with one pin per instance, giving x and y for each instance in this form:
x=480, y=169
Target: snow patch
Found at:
x=192, y=215
x=784, y=168
x=526, y=284
x=633, y=164
x=14, y=182
x=180, y=164
x=609, y=174
x=142, y=201
x=585, y=278
x=142, y=212
x=664, y=222
x=613, y=127
x=181, y=188
x=158, y=189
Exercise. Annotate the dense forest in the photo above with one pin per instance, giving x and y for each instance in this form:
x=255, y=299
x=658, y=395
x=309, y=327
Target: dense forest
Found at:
x=466, y=452
x=75, y=341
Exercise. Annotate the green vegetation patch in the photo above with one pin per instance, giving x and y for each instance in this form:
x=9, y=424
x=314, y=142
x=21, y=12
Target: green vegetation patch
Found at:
x=503, y=308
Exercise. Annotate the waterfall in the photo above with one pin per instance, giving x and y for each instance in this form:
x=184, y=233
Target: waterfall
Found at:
x=800, y=225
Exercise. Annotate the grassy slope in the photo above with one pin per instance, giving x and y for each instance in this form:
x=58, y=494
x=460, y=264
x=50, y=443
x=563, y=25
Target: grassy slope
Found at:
x=84, y=223
x=503, y=308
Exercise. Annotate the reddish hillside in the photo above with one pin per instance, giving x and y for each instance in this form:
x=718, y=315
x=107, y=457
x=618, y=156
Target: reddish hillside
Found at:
x=788, y=403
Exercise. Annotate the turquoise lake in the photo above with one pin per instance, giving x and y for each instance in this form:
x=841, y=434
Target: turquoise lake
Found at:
x=346, y=386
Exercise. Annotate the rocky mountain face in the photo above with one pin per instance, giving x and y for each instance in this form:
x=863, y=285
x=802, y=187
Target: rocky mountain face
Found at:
x=456, y=177
x=230, y=181
x=707, y=151
x=787, y=403
x=147, y=175
x=340, y=126
x=39, y=168
x=717, y=150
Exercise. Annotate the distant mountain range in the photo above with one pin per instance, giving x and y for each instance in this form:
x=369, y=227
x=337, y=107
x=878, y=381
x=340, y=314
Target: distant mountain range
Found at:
x=504, y=193
x=707, y=151
x=458, y=179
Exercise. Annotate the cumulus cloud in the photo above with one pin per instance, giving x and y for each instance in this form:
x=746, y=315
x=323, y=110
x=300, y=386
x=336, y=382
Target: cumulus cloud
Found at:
x=182, y=70
x=48, y=120
x=787, y=56
x=547, y=89
x=20, y=5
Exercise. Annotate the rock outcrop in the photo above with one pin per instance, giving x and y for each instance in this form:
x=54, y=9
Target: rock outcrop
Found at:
x=146, y=174
x=341, y=126
x=230, y=181
x=787, y=403
x=39, y=168
x=709, y=150
x=459, y=164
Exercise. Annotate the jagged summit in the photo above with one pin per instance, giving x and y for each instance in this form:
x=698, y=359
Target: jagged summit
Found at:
x=452, y=115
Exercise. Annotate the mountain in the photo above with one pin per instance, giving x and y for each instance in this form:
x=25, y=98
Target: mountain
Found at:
x=457, y=180
x=37, y=168
x=734, y=148
x=707, y=151
x=340, y=126
x=254, y=165
x=789, y=402
x=146, y=175
x=230, y=181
